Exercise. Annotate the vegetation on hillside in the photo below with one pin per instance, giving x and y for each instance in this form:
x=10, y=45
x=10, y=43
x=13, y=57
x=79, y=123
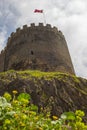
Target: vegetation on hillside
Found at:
x=12, y=74
x=18, y=113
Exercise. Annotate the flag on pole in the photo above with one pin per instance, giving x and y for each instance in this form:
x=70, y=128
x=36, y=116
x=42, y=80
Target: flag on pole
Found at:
x=38, y=11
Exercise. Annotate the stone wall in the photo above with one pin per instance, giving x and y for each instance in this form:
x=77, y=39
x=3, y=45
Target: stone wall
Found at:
x=2, y=60
x=37, y=47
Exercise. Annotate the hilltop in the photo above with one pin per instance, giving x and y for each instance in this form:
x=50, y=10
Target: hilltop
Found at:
x=54, y=91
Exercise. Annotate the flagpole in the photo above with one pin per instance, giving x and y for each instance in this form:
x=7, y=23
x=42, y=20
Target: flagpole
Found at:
x=44, y=18
x=41, y=11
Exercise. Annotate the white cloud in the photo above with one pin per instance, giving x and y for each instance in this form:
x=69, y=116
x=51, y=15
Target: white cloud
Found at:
x=2, y=39
x=70, y=16
x=76, y=7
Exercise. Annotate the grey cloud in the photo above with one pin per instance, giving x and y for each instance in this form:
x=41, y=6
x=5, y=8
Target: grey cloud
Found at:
x=9, y=14
x=85, y=63
x=76, y=7
x=8, y=19
x=84, y=54
x=70, y=16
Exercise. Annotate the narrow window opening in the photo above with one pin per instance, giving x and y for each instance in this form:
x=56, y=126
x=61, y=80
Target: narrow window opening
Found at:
x=32, y=52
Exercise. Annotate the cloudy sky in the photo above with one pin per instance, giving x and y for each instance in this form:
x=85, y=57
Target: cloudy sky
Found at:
x=70, y=16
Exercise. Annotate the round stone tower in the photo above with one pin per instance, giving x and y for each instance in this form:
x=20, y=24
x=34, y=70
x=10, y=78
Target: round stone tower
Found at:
x=38, y=48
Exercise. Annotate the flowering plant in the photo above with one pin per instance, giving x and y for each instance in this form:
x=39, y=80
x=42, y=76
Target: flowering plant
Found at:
x=18, y=113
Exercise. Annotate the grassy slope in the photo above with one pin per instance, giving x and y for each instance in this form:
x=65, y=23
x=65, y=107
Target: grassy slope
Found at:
x=68, y=92
x=11, y=74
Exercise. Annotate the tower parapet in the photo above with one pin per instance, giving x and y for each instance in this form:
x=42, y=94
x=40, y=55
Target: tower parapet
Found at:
x=27, y=29
x=37, y=47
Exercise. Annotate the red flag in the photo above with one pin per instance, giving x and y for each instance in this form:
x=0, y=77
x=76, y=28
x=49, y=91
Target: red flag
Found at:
x=38, y=11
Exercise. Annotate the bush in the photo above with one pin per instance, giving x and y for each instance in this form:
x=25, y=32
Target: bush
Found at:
x=19, y=114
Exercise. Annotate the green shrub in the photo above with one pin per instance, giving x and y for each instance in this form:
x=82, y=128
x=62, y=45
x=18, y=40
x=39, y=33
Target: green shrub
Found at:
x=19, y=114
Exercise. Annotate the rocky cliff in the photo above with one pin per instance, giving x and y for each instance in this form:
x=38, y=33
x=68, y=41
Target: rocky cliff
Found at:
x=52, y=91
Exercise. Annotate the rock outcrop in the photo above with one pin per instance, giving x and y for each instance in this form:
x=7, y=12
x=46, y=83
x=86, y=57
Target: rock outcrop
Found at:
x=53, y=91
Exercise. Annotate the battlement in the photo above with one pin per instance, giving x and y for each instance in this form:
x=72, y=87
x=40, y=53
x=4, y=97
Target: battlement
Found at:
x=26, y=29
x=33, y=26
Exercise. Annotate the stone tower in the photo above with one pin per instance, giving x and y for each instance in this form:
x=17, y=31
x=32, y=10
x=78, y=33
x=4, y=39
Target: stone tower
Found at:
x=38, y=48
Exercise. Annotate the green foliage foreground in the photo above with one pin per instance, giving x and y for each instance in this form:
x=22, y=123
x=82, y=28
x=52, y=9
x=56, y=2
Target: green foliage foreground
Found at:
x=18, y=113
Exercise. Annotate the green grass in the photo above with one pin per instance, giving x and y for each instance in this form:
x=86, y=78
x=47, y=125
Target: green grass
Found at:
x=37, y=74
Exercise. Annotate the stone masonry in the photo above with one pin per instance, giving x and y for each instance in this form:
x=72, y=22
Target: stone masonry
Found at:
x=38, y=48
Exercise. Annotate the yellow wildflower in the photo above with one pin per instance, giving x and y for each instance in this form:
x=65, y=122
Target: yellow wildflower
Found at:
x=36, y=118
x=55, y=118
x=32, y=113
x=24, y=116
x=7, y=122
x=7, y=96
x=16, y=115
x=15, y=103
x=5, y=128
x=15, y=92
x=40, y=128
x=22, y=124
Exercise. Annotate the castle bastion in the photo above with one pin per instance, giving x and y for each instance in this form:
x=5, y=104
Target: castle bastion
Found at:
x=37, y=48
